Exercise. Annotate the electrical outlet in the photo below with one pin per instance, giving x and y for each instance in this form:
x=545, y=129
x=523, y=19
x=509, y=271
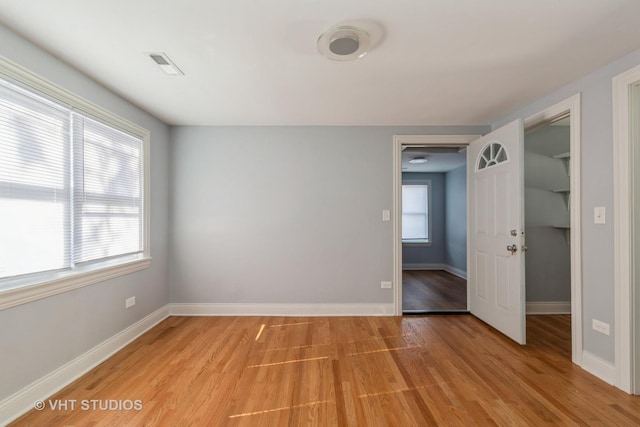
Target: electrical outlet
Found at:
x=601, y=327
x=129, y=302
x=385, y=285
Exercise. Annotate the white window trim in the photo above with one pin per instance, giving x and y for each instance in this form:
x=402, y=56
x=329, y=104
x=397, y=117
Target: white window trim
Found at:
x=429, y=240
x=33, y=287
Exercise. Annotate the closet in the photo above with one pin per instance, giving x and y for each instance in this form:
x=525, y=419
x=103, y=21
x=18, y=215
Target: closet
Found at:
x=547, y=229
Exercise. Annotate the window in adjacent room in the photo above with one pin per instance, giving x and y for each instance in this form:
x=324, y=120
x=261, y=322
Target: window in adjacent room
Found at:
x=416, y=224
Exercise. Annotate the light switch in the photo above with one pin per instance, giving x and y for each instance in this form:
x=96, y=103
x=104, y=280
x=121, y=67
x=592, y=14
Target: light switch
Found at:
x=386, y=215
x=599, y=215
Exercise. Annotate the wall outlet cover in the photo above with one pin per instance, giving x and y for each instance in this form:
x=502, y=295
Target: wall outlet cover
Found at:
x=129, y=302
x=599, y=215
x=601, y=327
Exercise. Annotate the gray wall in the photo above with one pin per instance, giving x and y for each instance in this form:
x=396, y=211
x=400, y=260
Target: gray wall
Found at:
x=433, y=253
x=456, y=218
x=39, y=337
x=597, y=190
x=283, y=214
x=548, y=258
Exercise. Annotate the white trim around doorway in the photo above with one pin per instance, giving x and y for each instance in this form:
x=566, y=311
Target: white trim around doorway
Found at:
x=398, y=142
x=624, y=247
x=570, y=106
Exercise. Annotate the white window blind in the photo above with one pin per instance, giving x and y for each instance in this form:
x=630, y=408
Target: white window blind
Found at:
x=107, y=191
x=34, y=184
x=415, y=212
x=71, y=187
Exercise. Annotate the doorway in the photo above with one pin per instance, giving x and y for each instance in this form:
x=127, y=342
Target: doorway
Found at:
x=421, y=266
x=570, y=106
x=547, y=197
x=434, y=229
x=562, y=118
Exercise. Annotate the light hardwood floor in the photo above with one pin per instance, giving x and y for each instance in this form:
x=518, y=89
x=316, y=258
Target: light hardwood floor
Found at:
x=356, y=371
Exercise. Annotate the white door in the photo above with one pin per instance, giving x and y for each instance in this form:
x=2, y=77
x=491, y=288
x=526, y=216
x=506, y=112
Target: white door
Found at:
x=496, y=230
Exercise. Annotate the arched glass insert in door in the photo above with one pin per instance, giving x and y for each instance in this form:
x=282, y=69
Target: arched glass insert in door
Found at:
x=493, y=154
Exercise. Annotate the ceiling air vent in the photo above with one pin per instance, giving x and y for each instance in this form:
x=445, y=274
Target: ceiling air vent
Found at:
x=162, y=60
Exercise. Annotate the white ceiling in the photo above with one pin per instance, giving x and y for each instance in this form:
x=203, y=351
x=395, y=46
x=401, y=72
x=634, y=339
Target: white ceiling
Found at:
x=435, y=62
x=438, y=159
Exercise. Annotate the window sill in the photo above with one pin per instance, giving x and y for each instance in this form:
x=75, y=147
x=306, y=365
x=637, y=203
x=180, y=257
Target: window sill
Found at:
x=424, y=243
x=18, y=292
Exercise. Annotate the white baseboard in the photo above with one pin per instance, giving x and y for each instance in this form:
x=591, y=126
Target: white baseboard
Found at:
x=436, y=266
x=19, y=403
x=549, y=307
x=455, y=271
x=602, y=369
x=302, y=310
x=423, y=266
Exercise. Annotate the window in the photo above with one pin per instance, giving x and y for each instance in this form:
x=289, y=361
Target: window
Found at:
x=415, y=213
x=73, y=189
x=493, y=154
x=34, y=184
x=107, y=200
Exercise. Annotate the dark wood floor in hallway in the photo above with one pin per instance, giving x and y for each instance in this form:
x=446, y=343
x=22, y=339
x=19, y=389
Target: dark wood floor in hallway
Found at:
x=433, y=290
x=344, y=371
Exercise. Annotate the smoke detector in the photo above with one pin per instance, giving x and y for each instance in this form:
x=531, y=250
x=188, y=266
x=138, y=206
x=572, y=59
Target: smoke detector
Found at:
x=344, y=43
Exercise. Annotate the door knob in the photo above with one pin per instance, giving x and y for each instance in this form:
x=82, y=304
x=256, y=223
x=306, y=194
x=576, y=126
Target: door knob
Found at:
x=512, y=248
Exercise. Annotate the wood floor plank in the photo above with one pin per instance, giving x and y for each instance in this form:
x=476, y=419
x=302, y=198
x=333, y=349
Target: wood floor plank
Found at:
x=344, y=371
x=433, y=290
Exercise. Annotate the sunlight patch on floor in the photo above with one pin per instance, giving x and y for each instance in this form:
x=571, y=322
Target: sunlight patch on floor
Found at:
x=287, y=362
x=284, y=408
x=385, y=349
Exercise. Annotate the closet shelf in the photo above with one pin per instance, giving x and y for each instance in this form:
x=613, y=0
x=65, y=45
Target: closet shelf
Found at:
x=567, y=231
x=565, y=194
x=565, y=157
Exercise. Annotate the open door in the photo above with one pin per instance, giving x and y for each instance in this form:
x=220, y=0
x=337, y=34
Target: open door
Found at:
x=496, y=230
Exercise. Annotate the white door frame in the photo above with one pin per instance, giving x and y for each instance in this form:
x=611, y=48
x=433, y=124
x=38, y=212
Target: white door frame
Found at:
x=572, y=107
x=398, y=142
x=624, y=149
